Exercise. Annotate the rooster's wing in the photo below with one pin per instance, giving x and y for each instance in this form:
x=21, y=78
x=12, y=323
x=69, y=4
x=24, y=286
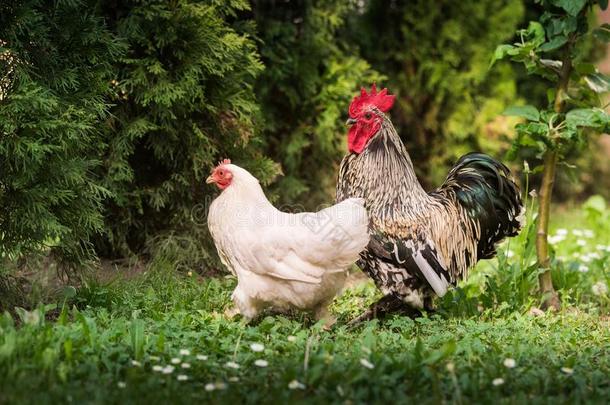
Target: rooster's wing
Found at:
x=417, y=255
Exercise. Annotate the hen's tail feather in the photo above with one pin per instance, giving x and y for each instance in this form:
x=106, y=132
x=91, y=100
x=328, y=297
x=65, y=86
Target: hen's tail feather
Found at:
x=485, y=189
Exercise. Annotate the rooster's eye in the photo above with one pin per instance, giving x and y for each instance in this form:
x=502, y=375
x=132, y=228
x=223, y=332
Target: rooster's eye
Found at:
x=368, y=115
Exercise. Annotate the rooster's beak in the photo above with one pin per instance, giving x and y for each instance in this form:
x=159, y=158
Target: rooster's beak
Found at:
x=350, y=121
x=210, y=180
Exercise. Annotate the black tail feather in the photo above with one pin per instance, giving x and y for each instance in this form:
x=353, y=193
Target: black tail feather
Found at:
x=486, y=190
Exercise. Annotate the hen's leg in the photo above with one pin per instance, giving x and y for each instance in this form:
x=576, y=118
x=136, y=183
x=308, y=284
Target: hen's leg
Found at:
x=323, y=313
x=244, y=305
x=232, y=312
x=386, y=305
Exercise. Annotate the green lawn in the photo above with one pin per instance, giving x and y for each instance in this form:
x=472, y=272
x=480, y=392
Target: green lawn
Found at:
x=162, y=337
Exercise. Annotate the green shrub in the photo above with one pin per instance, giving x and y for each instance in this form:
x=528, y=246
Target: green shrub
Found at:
x=184, y=99
x=310, y=78
x=56, y=69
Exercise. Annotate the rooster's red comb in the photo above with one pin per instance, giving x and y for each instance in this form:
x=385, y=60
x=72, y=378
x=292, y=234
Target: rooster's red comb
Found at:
x=382, y=100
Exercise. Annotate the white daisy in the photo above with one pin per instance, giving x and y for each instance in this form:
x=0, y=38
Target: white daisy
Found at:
x=202, y=357
x=257, y=347
x=562, y=232
x=135, y=363
x=581, y=242
x=185, y=352
x=261, y=363
x=121, y=384
x=157, y=368
x=292, y=339
x=510, y=363
x=232, y=364
x=367, y=364
x=576, y=232
x=555, y=239
x=182, y=377
x=175, y=360
x=497, y=381
x=210, y=387
x=185, y=365
x=168, y=369
x=294, y=384
x=583, y=269
x=567, y=370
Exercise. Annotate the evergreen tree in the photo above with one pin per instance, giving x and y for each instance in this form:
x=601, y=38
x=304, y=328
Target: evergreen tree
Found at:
x=55, y=69
x=310, y=78
x=184, y=100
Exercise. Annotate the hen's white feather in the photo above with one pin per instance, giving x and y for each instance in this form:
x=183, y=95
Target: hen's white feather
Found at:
x=284, y=260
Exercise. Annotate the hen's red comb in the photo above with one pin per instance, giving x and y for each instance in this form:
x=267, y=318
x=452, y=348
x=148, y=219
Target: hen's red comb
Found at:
x=224, y=162
x=382, y=100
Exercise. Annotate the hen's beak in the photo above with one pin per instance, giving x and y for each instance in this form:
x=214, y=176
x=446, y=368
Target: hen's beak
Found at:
x=210, y=180
x=350, y=121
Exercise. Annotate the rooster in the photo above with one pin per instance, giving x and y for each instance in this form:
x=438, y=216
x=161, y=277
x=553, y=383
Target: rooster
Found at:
x=282, y=261
x=421, y=243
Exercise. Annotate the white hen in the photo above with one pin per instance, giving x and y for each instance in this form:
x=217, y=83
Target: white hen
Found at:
x=282, y=260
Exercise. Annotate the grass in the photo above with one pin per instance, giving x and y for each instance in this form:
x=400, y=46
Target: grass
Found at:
x=129, y=341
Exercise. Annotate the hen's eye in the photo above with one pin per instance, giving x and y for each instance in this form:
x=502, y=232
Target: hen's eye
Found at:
x=221, y=172
x=368, y=115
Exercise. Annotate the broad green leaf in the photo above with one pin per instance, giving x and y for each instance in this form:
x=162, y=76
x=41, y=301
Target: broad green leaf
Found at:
x=500, y=52
x=598, y=82
x=527, y=111
x=602, y=32
x=588, y=117
x=585, y=68
x=535, y=32
x=573, y=7
x=557, y=26
x=555, y=43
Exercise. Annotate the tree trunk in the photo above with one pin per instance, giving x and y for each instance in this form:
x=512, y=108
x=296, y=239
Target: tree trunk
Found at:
x=550, y=297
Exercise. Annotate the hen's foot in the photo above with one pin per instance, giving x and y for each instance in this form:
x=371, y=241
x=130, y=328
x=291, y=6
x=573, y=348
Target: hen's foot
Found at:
x=232, y=312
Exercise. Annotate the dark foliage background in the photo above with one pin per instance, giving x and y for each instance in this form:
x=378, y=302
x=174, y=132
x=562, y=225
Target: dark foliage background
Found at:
x=113, y=112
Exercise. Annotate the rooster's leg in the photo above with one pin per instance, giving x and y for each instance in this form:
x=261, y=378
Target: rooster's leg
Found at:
x=386, y=305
